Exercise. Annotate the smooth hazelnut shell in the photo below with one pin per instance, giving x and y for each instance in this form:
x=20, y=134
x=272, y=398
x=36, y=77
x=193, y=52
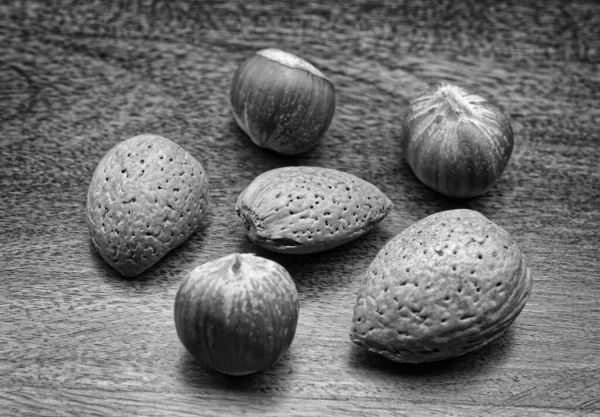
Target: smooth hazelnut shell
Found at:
x=456, y=142
x=237, y=314
x=282, y=102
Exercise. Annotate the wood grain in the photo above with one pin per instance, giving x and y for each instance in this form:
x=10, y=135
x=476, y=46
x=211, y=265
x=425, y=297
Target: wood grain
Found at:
x=78, y=77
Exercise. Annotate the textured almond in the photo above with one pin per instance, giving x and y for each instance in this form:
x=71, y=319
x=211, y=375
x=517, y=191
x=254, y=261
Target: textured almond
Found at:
x=445, y=286
x=309, y=209
x=146, y=197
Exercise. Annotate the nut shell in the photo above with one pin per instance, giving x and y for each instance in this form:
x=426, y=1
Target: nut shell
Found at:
x=146, y=197
x=445, y=286
x=237, y=314
x=309, y=209
x=456, y=141
x=281, y=101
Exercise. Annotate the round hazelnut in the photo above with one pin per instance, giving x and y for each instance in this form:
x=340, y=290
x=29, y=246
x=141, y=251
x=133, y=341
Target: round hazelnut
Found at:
x=456, y=141
x=281, y=101
x=237, y=314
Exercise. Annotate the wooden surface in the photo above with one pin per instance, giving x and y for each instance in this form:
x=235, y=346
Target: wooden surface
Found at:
x=78, y=77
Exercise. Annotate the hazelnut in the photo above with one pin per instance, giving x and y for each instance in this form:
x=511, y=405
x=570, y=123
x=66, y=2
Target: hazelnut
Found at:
x=456, y=142
x=281, y=101
x=237, y=314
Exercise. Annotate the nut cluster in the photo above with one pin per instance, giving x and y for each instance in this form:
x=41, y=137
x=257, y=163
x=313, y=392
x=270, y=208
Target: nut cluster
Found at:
x=446, y=285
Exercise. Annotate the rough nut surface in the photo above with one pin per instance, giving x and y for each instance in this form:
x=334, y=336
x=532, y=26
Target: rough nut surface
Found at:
x=147, y=196
x=446, y=285
x=309, y=209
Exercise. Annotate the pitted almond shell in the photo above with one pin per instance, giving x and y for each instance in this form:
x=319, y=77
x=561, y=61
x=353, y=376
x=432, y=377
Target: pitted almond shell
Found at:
x=147, y=196
x=445, y=286
x=309, y=209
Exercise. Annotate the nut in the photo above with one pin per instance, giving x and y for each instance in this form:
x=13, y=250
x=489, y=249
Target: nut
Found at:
x=147, y=196
x=309, y=209
x=445, y=286
x=237, y=314
x=281, y=101
x=456, y=142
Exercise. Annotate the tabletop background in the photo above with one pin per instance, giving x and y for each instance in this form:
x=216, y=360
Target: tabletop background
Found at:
x=78, y=77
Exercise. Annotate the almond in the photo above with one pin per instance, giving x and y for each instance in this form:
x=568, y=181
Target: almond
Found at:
x=147, y=196
x=309, y=209
x=445, y=286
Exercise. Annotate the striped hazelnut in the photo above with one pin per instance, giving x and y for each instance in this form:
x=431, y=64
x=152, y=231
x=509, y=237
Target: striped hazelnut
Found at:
x=281, y=101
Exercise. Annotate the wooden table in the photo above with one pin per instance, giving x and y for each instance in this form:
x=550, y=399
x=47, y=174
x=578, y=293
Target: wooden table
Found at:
x=78, y=77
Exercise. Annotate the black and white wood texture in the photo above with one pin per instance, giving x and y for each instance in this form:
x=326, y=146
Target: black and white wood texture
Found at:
x=77, y=77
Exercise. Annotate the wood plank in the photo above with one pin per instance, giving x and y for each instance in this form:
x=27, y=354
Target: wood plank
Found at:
x=78, y=77
x=74, y=402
